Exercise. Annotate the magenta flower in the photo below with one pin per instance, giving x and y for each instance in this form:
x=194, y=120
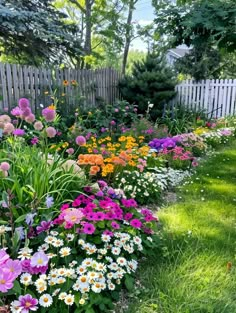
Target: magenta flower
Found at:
x=113, y=123
x=26, y=303
x=44, y=226
x=194, y=163
x=14, y=267
x=26, y=112
x=128, y=216
x=115, y=225
x=18, y=132
x=80, y=140
x=88, y=229
x=5, y=166
x=16, y=111
x=70, y=151
x=108, y=232
x=3, y=257
x=129, y=203
x=34, y=140
x=49, y=114
x=23, y=103
x=6, y=280
x=136, y=223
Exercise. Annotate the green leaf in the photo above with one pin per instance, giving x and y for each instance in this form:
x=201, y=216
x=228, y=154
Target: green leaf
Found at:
x=129, y=282
x=20, y=218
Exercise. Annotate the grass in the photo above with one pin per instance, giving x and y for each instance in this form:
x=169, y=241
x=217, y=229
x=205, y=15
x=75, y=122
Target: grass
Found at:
x=192, y=273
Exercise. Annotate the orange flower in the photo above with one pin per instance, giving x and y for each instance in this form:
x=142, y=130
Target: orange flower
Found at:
x=74, y=82
x=94, y=170
x=66, y=82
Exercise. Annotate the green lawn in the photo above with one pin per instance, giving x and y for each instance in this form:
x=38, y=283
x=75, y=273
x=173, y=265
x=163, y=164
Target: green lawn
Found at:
x=199, y=233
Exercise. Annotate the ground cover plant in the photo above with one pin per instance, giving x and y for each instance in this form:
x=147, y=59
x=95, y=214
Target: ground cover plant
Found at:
x=196, y=272
x=75, y=220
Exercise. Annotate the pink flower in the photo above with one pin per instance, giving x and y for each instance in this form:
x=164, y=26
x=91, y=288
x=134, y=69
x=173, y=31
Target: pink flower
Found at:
x=16, y=111
x=113, y=123
x=116, y=110
x=108, y=232
x=14, y=267
x=6, y=280
x=5, y=166
x=30, y=118
x=26, y=303
x=51, y=132
x=3, y=257
x=26, y=112
x=136, y=223
x=23, y=103
x=39, y=259
x=115, y=225
x=80, y=141
x=18, y=132
x=88, y=228
x=8, y=128
x=49, y=114
x=34, y=141
x=128, y=216
x=38, y=125
x=73, y=216
x=70, y=151
x=194, y=163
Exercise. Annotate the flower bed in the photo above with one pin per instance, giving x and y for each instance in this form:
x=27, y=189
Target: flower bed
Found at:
x=72, y=225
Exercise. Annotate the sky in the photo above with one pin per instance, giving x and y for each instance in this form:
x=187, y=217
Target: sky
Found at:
x=143, y=14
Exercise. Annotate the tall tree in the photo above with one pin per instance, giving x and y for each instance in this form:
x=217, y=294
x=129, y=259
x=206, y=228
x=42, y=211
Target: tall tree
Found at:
x=34, y=31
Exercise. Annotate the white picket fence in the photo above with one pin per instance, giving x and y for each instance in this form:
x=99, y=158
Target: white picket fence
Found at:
x=217, y=97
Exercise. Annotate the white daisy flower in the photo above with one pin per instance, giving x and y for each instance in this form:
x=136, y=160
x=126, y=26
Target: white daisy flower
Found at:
x=69, y=299
x=65, y=252
x=26, y=279
x=62, y=295
x=45, y=300
x=24, y=253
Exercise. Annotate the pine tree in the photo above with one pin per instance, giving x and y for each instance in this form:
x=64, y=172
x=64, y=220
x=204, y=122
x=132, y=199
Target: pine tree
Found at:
x=151, y=81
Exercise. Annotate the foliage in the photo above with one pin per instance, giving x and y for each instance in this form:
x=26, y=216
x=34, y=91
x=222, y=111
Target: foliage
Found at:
x=151, y=81
x=20, y=22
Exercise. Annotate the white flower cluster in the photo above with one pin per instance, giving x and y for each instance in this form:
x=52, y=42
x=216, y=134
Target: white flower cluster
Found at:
x=169, y=177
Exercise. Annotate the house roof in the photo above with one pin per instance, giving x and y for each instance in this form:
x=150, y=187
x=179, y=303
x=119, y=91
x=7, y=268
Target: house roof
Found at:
x=179, y=52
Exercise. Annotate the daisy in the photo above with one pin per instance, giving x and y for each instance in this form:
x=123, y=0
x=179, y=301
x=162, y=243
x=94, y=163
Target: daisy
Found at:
x=121, y=261
x=62, y=295
x=81, y=269
x=115, y=251
x=24, y=253
x=70, y=237
x=50, y=239
x=45, y=300
x=57, y=243
x=69, y=299
x=60, y=280
x=26, y=279
x=65, y=251
x=96, y=288
x=106, y=238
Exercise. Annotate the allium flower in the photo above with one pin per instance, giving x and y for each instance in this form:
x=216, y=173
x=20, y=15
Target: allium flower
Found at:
x=6, y=280
x=16, y=111
x=88, y=228
x=5, y=166
x=8, y=128
x=70, y=151
x=39, y=259
x=26, y=112
x=5, y=118
x=18, y=132
x=49, y=202
x=23, y=103
x=51, y=132
x=38, y=125
x=80, y=140
x=113, y=123
x=49, y=114
x=34, y=141
x=30, y=118
x=136, y=223
x=27, y=303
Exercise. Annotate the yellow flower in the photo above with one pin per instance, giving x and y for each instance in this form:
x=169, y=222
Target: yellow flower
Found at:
x=46, y=92
x=52, y=107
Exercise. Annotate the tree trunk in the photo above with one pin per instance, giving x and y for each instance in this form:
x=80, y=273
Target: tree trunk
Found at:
x=88, y=31
x=128, y=34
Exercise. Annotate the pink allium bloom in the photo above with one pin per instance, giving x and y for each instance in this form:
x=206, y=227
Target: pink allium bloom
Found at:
x=70, y=151
x=34, y=141
x=5, y=118
x=26, y=112
x=26, y=303
x=116, y=110
x=8, y=128
x=39, y=259
x=73, y=216
x=3, y=257
x=6, y=280
x=80, y=141
x=136, y=223
x=14, y=267
x=38, y=125
x=88, y=229
x=113, y=123
x=23, y=103
x=51, y=132
x=16, y=111
x=18, y=132
x=115, y=225
x=5, y=166
x=194, y=163
x=30, y=118
x=49, y=114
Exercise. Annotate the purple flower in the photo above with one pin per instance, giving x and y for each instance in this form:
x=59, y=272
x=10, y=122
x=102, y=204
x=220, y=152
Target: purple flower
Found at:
x=16, y=111
x=108, y=232
x=34, y=140
x=20, y=231
x=6, y=280
x=113, y=123
x=44, y=226
x=88, y=229
x=115, y=225
x=18, y=132
x=3, y=256
x=23, y=103
x=29, y=219
x=49, y=202
x=26, y=303
x=80, y=140
x=49, y=114
x=100, y=194
x=14, y=267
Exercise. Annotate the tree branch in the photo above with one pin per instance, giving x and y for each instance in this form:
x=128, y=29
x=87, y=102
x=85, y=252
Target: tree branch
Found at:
x=78, y=5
